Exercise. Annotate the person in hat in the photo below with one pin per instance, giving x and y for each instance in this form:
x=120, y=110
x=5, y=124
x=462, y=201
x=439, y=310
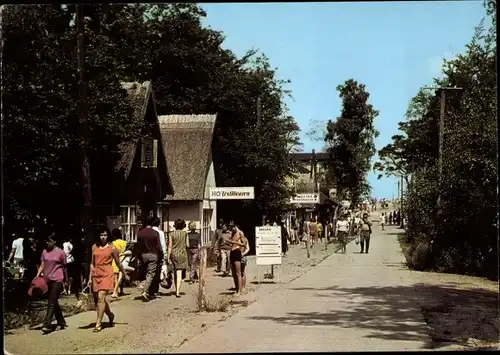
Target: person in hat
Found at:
x=194, y=245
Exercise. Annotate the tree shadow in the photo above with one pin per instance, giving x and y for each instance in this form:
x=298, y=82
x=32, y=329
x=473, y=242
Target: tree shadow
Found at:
x=394, y=313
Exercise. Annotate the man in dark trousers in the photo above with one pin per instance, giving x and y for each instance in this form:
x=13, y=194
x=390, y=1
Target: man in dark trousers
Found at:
x=284, y=238
x=215, y=244
x=148, y=250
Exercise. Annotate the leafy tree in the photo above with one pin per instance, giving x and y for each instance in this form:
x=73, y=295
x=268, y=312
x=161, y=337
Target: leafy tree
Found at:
x=41, y=113
x=350, y=141
x=462, y=238
x=415, y=147
x=191, y=73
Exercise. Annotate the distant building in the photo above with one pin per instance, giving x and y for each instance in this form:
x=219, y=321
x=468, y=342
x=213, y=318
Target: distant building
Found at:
x=305, y=183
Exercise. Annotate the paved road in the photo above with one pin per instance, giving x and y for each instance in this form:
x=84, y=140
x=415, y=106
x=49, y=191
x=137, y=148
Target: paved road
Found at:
x=350, y=302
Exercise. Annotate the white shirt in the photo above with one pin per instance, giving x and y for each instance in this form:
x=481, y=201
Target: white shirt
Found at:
x=163, y=243
x=342, y=226
x=18, y=246
x=68, y=248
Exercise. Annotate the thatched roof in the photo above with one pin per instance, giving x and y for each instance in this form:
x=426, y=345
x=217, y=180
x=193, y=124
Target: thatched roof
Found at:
x=139, y=95
x=187, y=141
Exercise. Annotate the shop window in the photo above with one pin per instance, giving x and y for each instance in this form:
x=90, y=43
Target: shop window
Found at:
x=129, y=223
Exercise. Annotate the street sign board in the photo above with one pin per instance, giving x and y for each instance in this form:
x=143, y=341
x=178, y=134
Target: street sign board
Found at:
x=268, y=245
x=305, y=198
x=232, y=193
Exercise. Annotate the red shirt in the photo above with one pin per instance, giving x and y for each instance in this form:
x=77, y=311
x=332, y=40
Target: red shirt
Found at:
x=53, y=264
x=148, y=241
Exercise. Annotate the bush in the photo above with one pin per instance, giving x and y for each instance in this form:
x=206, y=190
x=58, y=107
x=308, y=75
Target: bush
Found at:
x=417, y=256
x=212, y=304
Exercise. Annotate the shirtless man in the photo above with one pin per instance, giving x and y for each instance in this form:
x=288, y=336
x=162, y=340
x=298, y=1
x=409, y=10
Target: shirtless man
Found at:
x=237, y=242
x=244, y=262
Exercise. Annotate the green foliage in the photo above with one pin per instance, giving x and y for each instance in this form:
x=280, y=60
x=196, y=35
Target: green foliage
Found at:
x=41, y=113
x=463, y=236
x=190, y=71
x=350, y=142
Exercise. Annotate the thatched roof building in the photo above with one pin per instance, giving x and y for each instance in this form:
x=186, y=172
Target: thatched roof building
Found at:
x=145, y=115
x=187, y=141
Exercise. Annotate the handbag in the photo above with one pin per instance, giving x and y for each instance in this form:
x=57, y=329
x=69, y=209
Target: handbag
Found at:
x=166, y=277
x=356, y=240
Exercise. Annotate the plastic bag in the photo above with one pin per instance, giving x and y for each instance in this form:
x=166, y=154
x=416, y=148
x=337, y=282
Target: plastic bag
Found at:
x=164, y=272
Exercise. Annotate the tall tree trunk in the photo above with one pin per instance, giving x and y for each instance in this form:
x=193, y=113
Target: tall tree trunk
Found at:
x=83, y=125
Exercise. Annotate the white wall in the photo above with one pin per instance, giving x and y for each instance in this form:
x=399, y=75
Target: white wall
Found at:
x=211, y=204
x=186, y=210
x=210, y=182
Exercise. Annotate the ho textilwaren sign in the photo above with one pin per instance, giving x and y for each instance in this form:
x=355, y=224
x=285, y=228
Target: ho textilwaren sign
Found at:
x=232, y=193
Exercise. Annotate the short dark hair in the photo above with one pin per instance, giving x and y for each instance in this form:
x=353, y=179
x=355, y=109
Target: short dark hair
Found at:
x=179, y=224
x=155, y=222
x=102, y=229
x=150, y=220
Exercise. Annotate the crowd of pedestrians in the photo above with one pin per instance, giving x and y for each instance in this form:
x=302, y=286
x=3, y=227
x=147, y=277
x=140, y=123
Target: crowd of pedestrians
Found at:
x=64, y=263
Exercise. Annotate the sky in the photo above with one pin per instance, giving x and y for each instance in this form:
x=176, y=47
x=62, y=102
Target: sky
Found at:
x=394, y=48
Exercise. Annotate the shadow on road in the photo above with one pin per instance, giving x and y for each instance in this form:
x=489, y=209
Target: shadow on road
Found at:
x=452, y=315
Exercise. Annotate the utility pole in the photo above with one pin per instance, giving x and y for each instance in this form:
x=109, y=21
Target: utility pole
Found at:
x=399, y=196
x=442, y=91
x=1, y=115
x=83, y=125
x=401, y=225
x=441, y=140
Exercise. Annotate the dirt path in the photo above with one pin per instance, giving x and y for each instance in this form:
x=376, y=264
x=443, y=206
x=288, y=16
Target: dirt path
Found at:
x=163, y=324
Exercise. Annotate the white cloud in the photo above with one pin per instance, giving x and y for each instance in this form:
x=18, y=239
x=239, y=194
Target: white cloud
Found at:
x=436, y=63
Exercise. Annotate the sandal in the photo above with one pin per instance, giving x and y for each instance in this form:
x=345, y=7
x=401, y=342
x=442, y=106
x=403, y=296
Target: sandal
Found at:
x=46, y=330
x=97, y=329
